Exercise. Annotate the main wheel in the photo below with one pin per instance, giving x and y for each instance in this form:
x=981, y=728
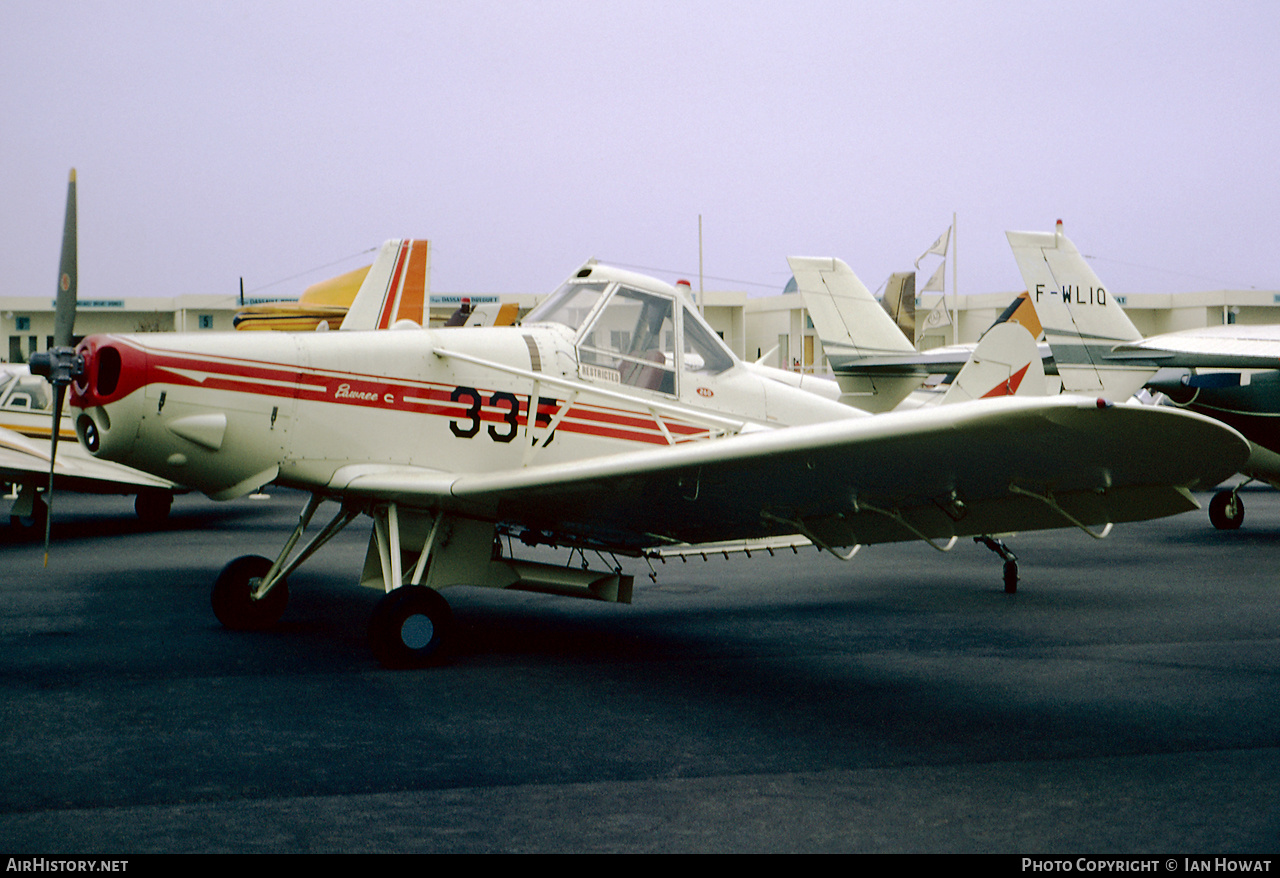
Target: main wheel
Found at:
x=1226, y=510
x=233, y=601
x=410, y=627
x=153, y=506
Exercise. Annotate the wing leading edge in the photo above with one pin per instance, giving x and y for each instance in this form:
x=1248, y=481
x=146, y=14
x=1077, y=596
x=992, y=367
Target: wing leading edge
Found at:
x=991, y=466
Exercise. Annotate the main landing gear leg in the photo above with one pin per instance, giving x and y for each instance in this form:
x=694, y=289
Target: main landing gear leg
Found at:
x=411, y=625
x=1010, y=561
x=252, y=592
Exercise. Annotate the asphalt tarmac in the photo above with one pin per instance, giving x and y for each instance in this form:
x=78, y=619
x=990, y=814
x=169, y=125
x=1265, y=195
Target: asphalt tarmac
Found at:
x=1126, y=700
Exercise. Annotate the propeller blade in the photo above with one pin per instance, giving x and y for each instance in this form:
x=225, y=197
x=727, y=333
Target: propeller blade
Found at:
x=59, y=364
x=64, y=321
x=58, y=395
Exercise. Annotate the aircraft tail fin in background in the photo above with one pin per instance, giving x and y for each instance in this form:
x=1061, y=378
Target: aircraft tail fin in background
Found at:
x=394, y=289
x=1022, y=312
x=1082, y=320
x=900, y=301
x=853, y=326
x=847, y=317
x=1006, y=363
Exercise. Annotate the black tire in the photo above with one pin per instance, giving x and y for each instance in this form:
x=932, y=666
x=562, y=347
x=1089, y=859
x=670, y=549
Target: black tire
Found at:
x=153, y=507
x=1010, y=577
x=1226, y=510
x=232, y=601
x=410, y=628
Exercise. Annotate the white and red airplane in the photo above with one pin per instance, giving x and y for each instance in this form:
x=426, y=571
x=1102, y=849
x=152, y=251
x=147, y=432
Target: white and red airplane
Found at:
x=612, y=420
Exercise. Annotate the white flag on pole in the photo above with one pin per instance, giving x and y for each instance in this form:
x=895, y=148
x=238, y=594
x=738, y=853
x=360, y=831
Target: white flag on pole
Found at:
x=939, y=247
x=937, y=283
x=938, y=317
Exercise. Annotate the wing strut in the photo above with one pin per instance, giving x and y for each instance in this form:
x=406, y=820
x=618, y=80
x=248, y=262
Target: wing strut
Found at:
x=279, y=570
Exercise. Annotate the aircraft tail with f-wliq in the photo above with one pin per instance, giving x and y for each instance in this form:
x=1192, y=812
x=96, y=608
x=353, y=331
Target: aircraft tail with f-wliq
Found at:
x=1082, y=319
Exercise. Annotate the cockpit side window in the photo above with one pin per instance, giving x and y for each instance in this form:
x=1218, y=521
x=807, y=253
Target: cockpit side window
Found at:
x=704, y=353
x=632, y=342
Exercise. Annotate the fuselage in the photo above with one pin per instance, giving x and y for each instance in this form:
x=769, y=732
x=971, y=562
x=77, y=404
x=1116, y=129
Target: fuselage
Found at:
x=225, y=413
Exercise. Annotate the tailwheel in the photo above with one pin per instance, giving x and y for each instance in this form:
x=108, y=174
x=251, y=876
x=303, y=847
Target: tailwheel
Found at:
x=233, y=601
x=410, y=627
x=1226, y=510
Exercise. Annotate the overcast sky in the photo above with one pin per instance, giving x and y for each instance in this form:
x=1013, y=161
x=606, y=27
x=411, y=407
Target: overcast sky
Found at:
x=281, y=141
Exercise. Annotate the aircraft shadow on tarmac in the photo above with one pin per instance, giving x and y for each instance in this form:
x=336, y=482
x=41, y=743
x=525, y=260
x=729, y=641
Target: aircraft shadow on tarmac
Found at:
x=79, y=524
x=876, y=685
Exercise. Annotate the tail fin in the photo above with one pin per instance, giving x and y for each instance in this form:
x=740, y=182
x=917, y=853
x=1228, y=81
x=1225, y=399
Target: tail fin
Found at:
x=845, y=314
x=1022, y=312
x=900, y=302
x=1082, y=319
x=1006, y=362
x=494, y=314
x=394, y=289
x=852, y=326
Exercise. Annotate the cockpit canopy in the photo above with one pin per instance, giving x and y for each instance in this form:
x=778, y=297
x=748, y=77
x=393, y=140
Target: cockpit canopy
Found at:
x=642, y=335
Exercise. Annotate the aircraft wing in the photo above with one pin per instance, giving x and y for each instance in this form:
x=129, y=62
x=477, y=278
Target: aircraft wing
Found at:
x=23, y=459
x=1232, y=346
x=985, y=467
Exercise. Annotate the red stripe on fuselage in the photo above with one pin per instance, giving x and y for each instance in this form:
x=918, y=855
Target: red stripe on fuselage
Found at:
x=429, y=398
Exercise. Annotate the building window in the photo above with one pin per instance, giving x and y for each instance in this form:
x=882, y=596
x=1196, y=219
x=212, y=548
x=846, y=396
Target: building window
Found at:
x=206, y=321
x=22, y=324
